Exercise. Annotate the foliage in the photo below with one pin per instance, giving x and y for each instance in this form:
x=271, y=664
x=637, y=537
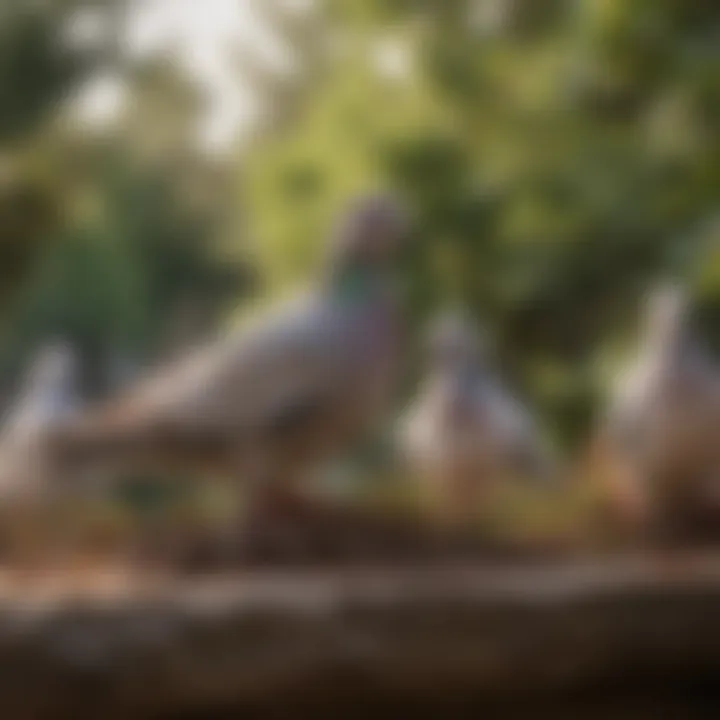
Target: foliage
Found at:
x=558, y=155
x=111, y=236
x=38, y=71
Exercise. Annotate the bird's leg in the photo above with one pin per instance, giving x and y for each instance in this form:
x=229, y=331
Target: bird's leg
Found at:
x=45, y=527
x=279, y=522
x=630, y=501
x=454, y=499
x=259, y=525
x=629, y=496
x=249, y=472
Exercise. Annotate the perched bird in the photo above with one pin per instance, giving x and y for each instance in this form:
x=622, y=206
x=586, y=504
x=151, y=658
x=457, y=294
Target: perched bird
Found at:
x=266, y=403
x=660, y=433
x=465, y=431
x=49, y=397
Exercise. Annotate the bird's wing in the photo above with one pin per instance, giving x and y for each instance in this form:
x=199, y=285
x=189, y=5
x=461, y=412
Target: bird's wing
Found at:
x=414, y=432
x=649, y=392
x=517, y=432
x=632, y=396
x=507, y=414
x=251, y=378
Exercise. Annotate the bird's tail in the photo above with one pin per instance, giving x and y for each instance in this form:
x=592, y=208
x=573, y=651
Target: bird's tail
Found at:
x=95, y=439
x=120, y=441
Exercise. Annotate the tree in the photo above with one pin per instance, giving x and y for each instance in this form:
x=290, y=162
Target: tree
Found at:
x=39, y=69
x=138, y=264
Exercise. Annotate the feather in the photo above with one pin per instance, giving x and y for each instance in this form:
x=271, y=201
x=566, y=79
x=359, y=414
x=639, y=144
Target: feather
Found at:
x=465, y=430
x=48, y=399
x=315, y=359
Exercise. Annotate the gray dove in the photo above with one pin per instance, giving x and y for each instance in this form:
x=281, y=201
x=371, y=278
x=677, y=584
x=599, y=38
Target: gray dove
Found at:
x=465, y=431
x=266, y=403
x=49, y=397
x=660, y=428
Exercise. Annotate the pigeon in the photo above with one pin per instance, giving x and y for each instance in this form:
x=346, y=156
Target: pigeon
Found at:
x=50, y=397
x=465, y=431
x=659, y=430
x=268, y=402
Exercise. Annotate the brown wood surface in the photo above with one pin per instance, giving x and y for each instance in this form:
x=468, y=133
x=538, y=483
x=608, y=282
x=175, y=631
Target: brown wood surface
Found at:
x=349, y=642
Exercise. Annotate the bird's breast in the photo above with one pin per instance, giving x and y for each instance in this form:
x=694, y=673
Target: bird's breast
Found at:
x=374, y=338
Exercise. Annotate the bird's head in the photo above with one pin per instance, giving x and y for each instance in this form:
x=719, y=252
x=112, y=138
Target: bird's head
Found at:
x=455, y=343
x=55, y=368
x=370, y=234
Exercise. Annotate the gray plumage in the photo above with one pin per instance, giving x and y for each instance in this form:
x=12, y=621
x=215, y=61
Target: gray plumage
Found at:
x=286, y=390
x=661, y=424
x=465, y=431
x=48, y=399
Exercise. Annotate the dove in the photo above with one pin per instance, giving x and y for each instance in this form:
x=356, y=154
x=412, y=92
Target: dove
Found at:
x=268, y=402
x=660, y=428
x=49, y=397
x=465, y=431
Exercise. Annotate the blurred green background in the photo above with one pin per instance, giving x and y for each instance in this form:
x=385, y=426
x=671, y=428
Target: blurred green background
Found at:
x=559, y=156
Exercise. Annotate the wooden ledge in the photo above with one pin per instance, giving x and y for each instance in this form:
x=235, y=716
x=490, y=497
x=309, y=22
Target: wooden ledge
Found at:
x=280, y=642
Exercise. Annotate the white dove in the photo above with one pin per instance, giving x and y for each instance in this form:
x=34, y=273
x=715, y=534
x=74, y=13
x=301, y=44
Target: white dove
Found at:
x=465, y=431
